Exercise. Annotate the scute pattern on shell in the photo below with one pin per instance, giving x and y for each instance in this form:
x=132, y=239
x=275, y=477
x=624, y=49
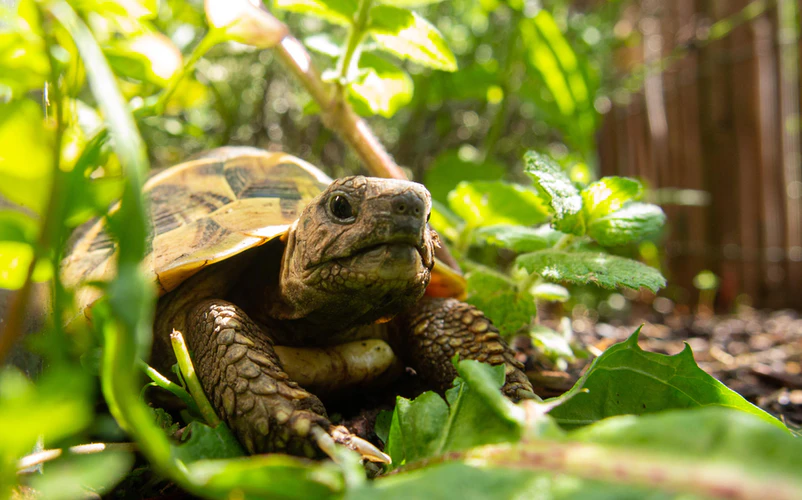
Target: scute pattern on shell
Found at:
x=204, y=211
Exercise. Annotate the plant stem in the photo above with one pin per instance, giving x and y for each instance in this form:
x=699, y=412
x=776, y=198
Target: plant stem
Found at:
x=207, y=42
x=168, y=385
x=188, y=370
x=356, y=32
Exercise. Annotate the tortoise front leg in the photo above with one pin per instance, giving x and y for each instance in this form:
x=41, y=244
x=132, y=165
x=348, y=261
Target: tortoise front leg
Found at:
x=246, y=383
x=438, y=328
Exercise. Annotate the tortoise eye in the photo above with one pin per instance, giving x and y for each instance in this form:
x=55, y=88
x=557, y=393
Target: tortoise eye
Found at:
x=341, y=208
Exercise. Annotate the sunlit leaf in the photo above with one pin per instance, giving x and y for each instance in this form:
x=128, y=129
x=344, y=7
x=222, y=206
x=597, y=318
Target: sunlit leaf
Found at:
x=609, y=194
x=407, y=35
x=208, y=442
x=245, y=21
x=519, y=238
x=150, y=57
x=628, y=380
x=409, y=3
x=606, y=271
x=24, y=64
x=15, y=259
x=26, y=154
x=448, y=169
x=550, y=291
x=485, y=203
x=323, y=43
x=633, y=223
x=336, y=11
x=556, y=188
x=381, y=85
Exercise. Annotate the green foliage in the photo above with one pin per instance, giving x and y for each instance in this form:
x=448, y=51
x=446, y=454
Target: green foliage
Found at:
x=607, y=271
x=628, y=380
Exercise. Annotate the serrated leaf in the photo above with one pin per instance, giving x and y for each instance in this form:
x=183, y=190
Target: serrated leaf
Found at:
x=606, y=271
x=381, y=86
x=558, y=191
x=26, y=154
x=407, y=35
x=336, y=11
x=628, y=380
x=485, y=203
x=519, y=238
x=509, y=310
x=448, y=169
x=609, y=194
x=631, y=224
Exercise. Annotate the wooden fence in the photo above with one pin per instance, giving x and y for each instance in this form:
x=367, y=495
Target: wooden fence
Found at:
x=724, y=119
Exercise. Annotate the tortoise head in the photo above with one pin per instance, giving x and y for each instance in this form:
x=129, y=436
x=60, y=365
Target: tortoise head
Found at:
x=359, y=252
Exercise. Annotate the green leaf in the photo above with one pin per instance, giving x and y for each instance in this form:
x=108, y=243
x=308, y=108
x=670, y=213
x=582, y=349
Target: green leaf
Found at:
x=340, y=12
x=628, y=380
x=609, y=194
x=550, y=343
x=24, y=65
x=448, y=169
x=606, y=271
x=496, y=296
x=207, y=442
x=445, y=222
x=407, y=35
x=485, y=203
x=268, y=476
x=75, y=475
x=15, y=259
x=17, y=226
x=519, y=238
x=26, y=154
x=409, y=3
x=631, y=224
x=559, y=192
x=477, y=413
x=715, y=434
x=381, y=86
x=149, y=57
x=323, y=43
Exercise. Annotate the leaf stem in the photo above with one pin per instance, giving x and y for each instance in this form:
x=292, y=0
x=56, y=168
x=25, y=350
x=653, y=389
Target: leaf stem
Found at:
x=356, y=32
x=194, y=385
x=168, y=385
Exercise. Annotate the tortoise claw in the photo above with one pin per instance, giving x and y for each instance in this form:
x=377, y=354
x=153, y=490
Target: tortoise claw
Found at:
x=340, y=435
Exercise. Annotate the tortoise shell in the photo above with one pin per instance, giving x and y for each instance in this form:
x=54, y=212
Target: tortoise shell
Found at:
x=209, y=209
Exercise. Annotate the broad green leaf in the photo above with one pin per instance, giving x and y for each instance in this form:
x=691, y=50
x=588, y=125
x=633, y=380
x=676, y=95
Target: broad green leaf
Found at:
x=15, y=258
x=336, y=11
x=381, y=86
x=606, y=271
x=559, y=192
x=631, y=224
x=149, y=57
x=519, y=238
x=26, y=154
x=715, y=434
x=496, y=296
x=407, y=35
x=609, y=194
x=448, y=169
x=17, y=226
x=268, y=476
x=477, y=413
x=75, y=475
x=628, y=380
x=485, y=203
x=207, y=442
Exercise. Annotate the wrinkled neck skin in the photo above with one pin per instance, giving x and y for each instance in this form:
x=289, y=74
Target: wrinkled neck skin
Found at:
x=335, y=277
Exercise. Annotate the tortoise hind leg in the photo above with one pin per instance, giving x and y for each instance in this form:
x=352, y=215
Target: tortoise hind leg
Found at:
x=437, y=329
x=244, y=379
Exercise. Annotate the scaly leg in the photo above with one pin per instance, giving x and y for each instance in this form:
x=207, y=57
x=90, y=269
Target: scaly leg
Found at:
x=438, y=328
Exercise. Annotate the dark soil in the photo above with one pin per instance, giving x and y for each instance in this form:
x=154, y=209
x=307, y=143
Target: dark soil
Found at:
x=756, y=353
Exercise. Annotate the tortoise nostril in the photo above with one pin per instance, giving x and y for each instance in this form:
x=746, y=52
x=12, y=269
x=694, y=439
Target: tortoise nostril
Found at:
x=401, y=208
x=408, y=205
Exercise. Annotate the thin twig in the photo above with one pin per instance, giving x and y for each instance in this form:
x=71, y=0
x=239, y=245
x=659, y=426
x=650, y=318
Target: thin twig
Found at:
x=43, y=456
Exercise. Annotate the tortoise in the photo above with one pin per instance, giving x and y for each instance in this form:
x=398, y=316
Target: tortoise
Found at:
x=268, y=267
